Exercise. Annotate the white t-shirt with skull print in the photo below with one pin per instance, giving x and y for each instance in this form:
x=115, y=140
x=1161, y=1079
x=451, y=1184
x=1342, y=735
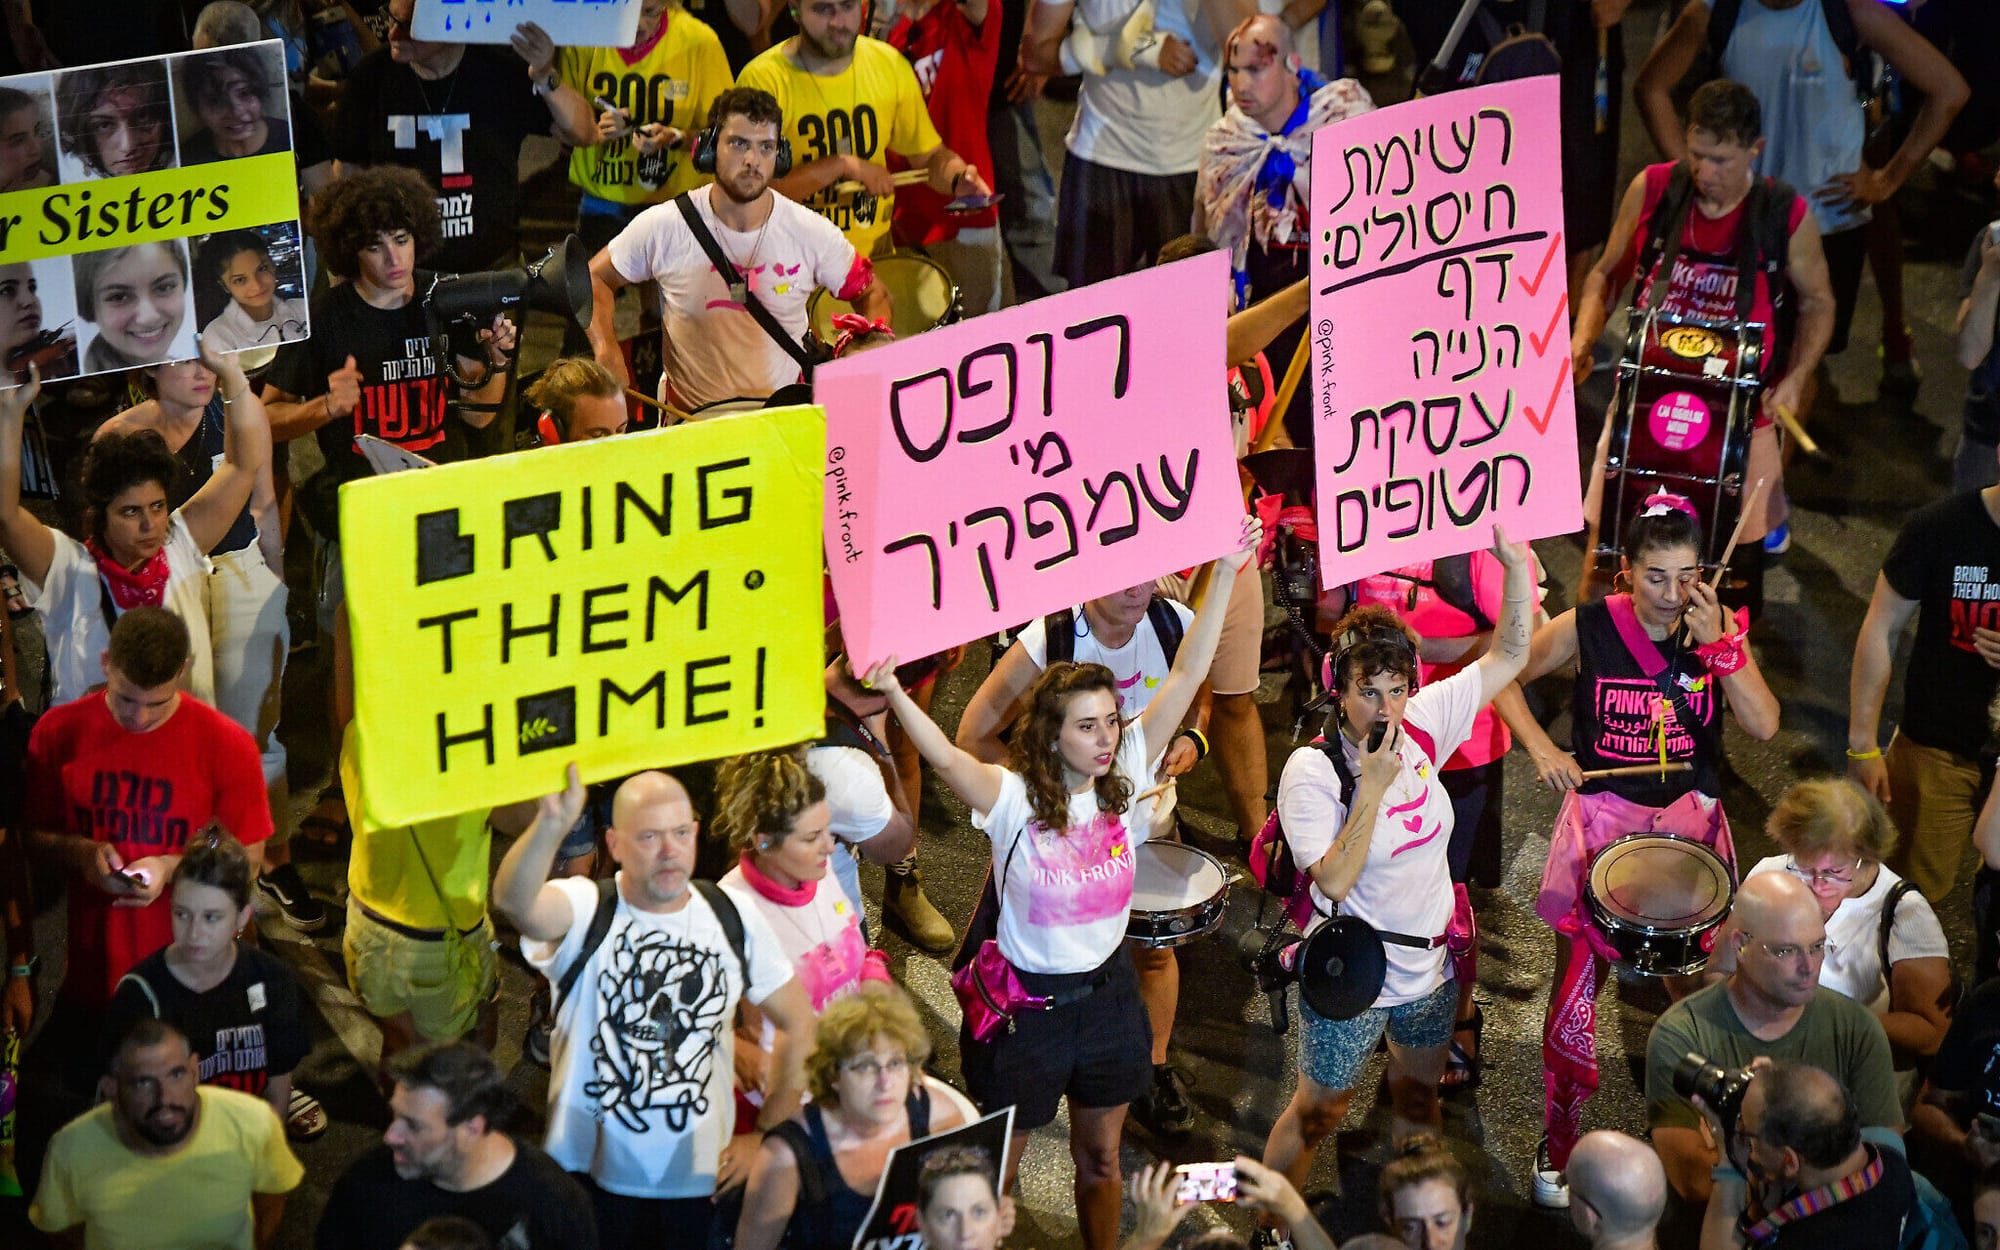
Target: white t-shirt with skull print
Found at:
x=643, y=1054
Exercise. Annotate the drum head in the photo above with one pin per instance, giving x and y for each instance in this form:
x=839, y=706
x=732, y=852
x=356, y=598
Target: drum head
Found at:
x=1168, y=876
x=1341, y=967
x=921, y=295
x=1658, y=882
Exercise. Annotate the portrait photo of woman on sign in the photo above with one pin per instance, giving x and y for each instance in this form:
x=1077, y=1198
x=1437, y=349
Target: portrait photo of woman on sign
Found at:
x=114, y=120
x=230, y=103
x=37, y=321
x=249, y=287
x=27, y=150
x=136, y=299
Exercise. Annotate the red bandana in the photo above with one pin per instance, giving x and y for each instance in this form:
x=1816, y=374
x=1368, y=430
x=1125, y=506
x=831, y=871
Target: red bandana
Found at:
x=144, y=588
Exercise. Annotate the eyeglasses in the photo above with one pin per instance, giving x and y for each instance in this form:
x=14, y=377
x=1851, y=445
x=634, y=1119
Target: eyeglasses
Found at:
x=1786, y=952
x=1828, y=876
x=391, y=23
x=870, y=1068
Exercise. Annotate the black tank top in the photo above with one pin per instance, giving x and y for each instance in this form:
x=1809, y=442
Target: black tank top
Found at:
x=1614, y=706
x=829, y=1213
x=198, y=456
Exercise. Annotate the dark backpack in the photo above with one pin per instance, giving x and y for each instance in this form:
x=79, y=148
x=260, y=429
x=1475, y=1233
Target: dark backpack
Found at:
x=718, y=901
x=1271, y=863
x=1763, y=246
x=1517, y=51
x=1060, y=628
x=1722, y=16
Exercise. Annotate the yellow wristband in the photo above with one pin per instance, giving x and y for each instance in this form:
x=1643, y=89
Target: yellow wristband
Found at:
x=1872, y=753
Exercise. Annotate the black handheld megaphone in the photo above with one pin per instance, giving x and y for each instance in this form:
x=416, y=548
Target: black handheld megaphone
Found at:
x=558, y=283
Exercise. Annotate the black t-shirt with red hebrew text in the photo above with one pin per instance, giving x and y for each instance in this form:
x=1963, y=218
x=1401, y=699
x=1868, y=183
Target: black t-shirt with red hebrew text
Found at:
x=1947, y=558
x=403, y=388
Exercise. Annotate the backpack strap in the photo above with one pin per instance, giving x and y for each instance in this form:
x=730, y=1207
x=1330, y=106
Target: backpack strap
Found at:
x=1166, y=626
x=1336, y=755
x=146, y=988
x=1059, y=637
x=1888, y=921
x=734, y=278
x=731, y=921
x=593, y=937
x=1721, y=24
x=1663, y=238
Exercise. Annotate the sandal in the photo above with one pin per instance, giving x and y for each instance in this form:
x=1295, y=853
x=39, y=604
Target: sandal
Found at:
x=1462, y=1068
x=322, y=830
x=305, y=1119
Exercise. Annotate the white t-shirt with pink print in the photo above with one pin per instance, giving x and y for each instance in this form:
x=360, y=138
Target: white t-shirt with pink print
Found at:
x=1066, y=899
x=817, y=928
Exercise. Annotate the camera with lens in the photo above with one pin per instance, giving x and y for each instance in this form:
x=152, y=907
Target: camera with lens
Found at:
x=1721, y=1089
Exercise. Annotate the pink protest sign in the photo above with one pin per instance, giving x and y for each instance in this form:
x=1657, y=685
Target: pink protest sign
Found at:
x=983, y=474
x=1440, y=324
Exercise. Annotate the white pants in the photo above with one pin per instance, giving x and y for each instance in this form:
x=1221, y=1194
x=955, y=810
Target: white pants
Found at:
x=250, y=639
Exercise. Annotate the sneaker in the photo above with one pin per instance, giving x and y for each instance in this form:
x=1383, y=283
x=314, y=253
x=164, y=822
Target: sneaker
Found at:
x=283, y=886
x=1778, y=541
x=1165, y=1108
x=1551, y=1190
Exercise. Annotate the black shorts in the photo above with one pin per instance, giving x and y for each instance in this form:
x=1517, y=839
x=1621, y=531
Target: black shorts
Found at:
x=1846, y=257
x=1098, y=1052
x=1110, y=223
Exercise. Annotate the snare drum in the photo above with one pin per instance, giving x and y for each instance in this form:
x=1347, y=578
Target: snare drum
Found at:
x=921, y=293
x=1681, y=419
x=1177, y=894
x=1659, y=901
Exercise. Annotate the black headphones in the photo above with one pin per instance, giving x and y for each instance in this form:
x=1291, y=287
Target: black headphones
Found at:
x=703, y=156
x=1343, y=647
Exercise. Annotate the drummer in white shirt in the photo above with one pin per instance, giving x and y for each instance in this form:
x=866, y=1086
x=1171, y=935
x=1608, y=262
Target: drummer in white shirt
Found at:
x=1124, y=632
x=1381, y=856
x=1834, y=836
x=1068, y=807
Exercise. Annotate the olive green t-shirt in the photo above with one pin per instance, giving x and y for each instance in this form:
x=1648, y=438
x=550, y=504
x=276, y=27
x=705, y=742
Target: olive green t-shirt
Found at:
x=1835, y=1033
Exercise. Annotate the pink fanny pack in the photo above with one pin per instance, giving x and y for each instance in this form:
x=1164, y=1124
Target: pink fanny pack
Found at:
x=990, y=993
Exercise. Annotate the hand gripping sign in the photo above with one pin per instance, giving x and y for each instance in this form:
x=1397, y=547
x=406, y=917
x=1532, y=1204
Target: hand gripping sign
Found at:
x=626, y=603
x=983, y=474
x=1441, y=364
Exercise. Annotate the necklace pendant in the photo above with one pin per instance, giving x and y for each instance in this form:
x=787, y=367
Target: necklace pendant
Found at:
x=739, y=291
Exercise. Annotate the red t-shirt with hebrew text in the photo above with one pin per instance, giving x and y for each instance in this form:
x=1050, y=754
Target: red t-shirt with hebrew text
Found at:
x=145, y=794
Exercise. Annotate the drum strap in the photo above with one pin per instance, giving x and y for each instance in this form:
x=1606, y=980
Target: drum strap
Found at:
x=733, y=277
x=1670, y=230
x=1646, y=653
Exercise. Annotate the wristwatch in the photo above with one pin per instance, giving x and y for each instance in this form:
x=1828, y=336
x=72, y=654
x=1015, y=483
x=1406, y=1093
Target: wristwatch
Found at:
x=547, y=84
x=24, y=968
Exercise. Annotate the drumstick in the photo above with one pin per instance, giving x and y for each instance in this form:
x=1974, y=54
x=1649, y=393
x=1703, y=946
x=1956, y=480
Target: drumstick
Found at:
x=1742, y=518
x=1638, y=770
x=650, y=402
x=1797, y=431
x=1155, y=792
x=904, y=178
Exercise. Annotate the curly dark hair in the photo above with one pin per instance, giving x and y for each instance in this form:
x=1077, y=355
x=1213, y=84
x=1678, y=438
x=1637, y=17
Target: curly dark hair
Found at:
x=203, y=77
x=1034, y=750
x=757, y=107
x=77, y=93
x=1378, y=651
x=116, y=463
x=763, y=793
x=352, y=213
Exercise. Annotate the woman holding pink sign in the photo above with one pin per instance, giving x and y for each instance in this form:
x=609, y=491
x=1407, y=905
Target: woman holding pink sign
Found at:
x=1052, y=1006
x=1654, y=667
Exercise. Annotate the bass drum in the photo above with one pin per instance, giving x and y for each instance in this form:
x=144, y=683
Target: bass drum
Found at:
x=1659, y=901
x=921, y=292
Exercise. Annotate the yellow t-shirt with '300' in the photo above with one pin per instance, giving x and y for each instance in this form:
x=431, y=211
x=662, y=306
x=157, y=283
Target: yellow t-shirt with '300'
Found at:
x=673, y=84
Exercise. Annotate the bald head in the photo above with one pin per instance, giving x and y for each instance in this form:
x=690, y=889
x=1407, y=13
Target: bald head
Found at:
x=1262, y=71
x=641, y=791
x=1267, y=30
x=1774, y=900
x=1621, y=1179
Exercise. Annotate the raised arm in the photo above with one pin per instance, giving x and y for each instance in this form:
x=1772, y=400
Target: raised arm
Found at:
x=246, y=452
x=972, y=779
x=996, y=704
x=571, y=117
x=32, y=544
x=1868, y=684
x=1978, y=309
x=605, y=283
x=1668, y=62
x=1503, y=661
x=522, y=891
x=1163, y=716
x=1252, y=330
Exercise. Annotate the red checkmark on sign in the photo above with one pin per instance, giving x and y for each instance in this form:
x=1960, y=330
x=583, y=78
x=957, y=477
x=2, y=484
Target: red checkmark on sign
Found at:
x=1555, y=245
x=1549, y=409
x=1540, y=342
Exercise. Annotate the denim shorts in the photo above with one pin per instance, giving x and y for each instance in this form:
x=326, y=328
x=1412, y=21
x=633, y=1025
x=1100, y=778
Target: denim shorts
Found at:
x=1332, y=1052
